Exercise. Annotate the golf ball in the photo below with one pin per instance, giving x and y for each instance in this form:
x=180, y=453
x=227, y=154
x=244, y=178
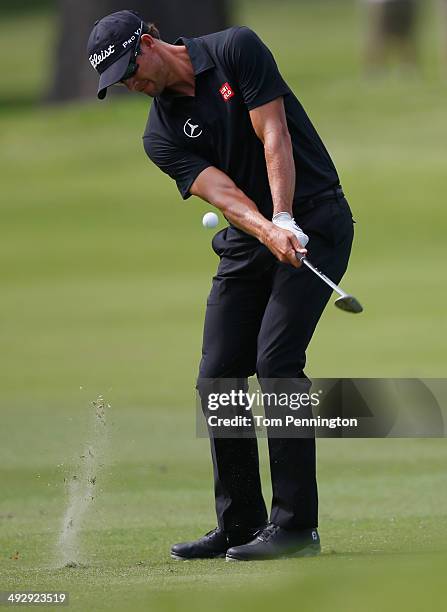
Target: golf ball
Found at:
x=210, y=220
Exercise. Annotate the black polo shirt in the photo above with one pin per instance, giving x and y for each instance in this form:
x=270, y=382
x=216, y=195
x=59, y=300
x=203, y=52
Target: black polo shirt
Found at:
x=234, y=73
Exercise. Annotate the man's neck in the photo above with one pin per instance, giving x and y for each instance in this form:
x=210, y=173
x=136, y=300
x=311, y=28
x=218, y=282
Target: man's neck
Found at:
x=181, y=79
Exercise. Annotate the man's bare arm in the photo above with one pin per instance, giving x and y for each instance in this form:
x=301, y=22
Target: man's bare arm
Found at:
x=215, y=187
x=270, y=124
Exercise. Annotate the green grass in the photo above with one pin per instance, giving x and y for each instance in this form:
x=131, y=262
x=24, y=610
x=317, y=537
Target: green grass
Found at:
x=105, y=273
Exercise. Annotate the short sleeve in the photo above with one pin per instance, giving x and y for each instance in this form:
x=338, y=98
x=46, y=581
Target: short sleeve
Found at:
x=181, y=165
x=255, y=69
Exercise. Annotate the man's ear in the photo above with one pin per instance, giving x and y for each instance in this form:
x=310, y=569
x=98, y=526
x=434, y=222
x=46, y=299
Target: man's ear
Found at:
x=147, y=41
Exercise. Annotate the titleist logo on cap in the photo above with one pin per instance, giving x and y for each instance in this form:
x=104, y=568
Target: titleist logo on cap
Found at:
x=96, y=58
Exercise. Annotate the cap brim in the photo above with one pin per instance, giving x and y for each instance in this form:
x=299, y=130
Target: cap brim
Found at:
x=113, y=74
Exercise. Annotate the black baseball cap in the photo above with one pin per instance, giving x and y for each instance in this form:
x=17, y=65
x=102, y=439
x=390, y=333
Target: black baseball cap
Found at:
x=111, y=45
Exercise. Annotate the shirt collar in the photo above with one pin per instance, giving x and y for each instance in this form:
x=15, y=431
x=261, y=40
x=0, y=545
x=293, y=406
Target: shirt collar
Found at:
x=200, y=59
x=199, y=56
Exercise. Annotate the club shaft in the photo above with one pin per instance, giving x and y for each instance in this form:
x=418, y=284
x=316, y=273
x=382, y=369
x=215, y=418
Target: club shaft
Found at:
x=323, y=277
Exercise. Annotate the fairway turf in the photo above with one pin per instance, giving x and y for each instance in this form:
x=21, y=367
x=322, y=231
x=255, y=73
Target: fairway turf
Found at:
x=105, y=273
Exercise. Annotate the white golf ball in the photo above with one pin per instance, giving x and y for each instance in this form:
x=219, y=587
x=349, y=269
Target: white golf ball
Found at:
x=210, y=220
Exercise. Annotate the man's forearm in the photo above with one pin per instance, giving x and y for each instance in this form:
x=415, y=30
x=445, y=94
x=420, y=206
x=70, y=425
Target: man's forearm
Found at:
x=218, y=189
x=242, y=212
x=281, y=169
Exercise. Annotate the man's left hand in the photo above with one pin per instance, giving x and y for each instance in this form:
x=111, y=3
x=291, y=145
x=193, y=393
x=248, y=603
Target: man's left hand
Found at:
x=286, y=221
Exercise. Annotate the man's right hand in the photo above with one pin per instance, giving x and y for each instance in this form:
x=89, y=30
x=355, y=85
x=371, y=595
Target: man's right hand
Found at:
x=283, y=244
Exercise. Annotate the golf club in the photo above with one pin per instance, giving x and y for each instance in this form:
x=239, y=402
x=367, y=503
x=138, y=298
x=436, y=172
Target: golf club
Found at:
x=345, y=302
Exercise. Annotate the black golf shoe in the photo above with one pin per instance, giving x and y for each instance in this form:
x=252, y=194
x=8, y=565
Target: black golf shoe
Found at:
x=273, y=542
x=212, y=545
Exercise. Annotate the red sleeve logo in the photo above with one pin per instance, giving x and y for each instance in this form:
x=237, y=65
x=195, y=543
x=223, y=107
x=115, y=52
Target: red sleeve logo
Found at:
x=226, y=92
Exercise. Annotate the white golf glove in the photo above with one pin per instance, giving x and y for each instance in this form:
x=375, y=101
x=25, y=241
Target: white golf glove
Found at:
x=285, y=221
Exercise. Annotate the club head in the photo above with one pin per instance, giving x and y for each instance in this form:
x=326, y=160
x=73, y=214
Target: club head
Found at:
x=349, y=303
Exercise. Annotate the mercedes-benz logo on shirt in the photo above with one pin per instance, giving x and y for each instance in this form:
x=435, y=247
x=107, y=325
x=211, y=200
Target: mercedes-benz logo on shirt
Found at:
x=192, y=130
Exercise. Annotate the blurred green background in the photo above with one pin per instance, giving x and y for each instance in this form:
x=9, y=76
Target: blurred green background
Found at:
x=105, y=273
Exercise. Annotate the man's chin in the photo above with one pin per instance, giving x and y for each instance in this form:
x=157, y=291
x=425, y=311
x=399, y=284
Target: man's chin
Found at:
x=150, y=90
x=153, y=92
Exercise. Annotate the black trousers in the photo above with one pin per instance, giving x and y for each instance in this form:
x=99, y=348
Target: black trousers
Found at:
x=260, y=317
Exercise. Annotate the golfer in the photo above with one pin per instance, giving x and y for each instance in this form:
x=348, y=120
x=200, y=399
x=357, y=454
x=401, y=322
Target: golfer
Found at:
x=227, y=128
